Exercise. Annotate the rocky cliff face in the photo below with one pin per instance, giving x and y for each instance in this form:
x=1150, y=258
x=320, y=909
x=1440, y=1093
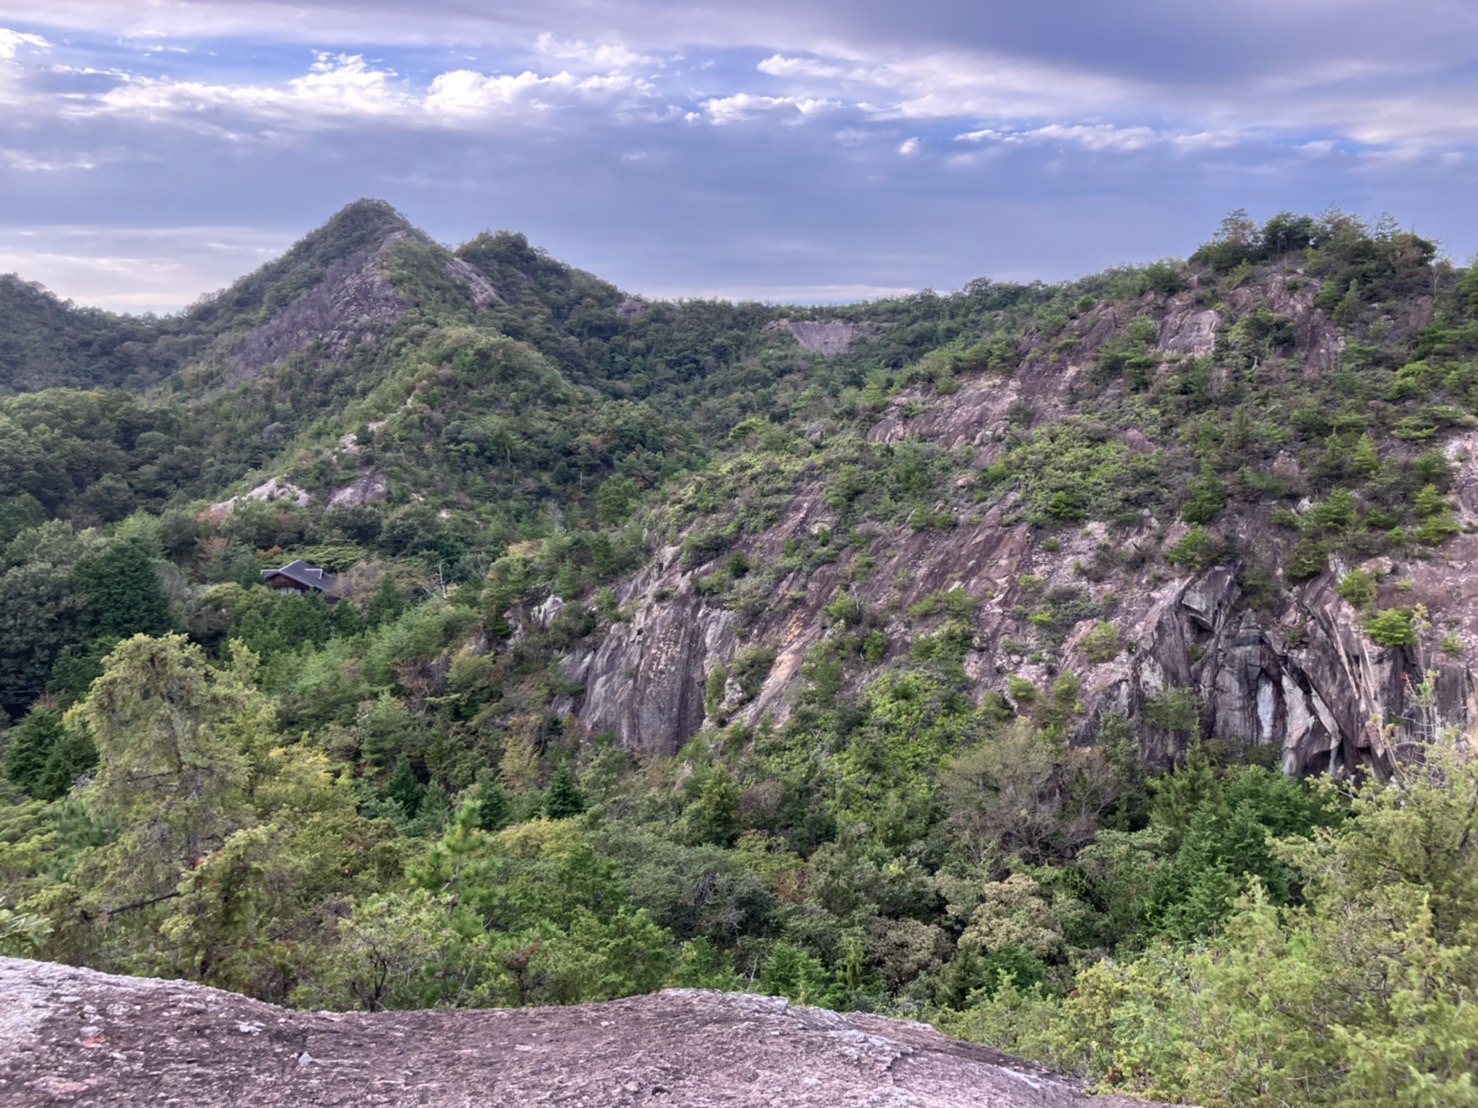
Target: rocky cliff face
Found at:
x=353, y=303
x=74, y=1036
x=1288, y=669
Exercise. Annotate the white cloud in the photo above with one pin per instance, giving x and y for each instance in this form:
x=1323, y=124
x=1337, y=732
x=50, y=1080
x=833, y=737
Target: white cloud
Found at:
x=29, y=163
x=342, y=86
x=605, y=56
x=743, y=105
x=347, y=91
x=464, y=93
x=909, y=147
x=1096, y=137
x=1102, y=137
x=12, y=41
x=778, y=65
x=988, y=86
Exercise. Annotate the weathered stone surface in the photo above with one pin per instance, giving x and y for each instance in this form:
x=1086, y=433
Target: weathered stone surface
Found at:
x=271, y=491
x=1187, y=330
x=644, y=682
x=831, y=336
x=352, y=303
x=474, y=283
x=370, y=487
x=74, y=1036
x=1297, y=675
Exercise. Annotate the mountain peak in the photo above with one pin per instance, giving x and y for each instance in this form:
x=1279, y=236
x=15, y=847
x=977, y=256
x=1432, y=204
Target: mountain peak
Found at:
x=364, y=219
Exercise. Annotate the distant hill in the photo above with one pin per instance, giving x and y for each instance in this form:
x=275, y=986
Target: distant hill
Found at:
x=47, y=342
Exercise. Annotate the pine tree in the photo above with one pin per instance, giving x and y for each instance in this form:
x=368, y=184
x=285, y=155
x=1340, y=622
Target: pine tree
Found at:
x=492, y=805
x=173, y=737
x=405, y=789
x=564, y=798
x=72, y=756
x=386, y=605
x=121, y=593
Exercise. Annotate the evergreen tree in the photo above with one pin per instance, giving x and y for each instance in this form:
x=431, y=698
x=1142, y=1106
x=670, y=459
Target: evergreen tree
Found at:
x=38, y=619
x=492, y=804
x=405, y=789
x=72, y=756
x=172, y=737
x=564, y=798
x=121, y=593
x=386, y=605
x=30, y=747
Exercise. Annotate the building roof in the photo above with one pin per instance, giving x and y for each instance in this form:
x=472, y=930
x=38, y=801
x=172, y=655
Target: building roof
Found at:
x=304, y=574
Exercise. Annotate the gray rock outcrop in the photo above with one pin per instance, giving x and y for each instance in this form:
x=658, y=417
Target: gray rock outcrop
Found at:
x=1290, y=670
x=78, y=1037
x=831, y=336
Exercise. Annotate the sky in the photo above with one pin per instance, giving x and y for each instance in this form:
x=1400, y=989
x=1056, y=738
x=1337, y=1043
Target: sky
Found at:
x=806, y=151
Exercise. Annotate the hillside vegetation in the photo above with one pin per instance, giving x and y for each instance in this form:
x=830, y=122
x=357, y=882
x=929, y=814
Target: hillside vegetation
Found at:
x=1083, y=668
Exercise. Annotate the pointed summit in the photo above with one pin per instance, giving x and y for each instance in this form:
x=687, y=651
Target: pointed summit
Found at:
x=354, y=233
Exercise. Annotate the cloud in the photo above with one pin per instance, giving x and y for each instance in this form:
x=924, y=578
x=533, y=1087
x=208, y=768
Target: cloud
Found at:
x=11, y=42
x=347, y=90
x=1103, y=137
x=778, y=65
x=336, y=85
x=28, y=163
x=906, y=146
x=604, y=57
x=135, y=269
x=463, y=96
x=745, y=106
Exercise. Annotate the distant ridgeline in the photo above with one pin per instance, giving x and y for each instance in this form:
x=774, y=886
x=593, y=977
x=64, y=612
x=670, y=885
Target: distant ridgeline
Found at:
x=1085, y=668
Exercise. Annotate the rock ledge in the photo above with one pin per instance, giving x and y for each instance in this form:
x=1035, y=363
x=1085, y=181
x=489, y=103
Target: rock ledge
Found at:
x=75, y=1036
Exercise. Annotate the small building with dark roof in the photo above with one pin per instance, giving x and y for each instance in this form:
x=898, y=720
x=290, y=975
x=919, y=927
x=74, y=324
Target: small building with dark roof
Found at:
x=300, y=577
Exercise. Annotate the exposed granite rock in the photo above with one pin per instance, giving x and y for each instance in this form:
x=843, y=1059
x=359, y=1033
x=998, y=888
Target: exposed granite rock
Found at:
x=644, y=682
x=832, y=336
x=271, y=491
x=75, y=1036
x=370, y=487
x=473, y=283
x=1188, y=330
x=352, y=303
x=1296, y=674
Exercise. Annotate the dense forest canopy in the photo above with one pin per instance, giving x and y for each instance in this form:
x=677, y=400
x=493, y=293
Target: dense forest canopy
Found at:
x=393, y=795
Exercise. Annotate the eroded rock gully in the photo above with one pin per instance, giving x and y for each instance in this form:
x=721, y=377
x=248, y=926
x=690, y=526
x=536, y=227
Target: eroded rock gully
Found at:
x=77, y=1037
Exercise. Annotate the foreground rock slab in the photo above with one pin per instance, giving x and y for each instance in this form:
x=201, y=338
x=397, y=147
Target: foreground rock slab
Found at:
x=75, y=1036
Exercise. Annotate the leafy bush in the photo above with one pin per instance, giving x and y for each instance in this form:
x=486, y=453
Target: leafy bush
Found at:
x=1198, y=550
x=1102, y=643
x=1391, y=627
x=1357, y=587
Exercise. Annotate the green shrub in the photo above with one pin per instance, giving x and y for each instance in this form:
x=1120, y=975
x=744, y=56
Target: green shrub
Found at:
x=1357, y=587
x=1102, y=643
x=1308, y=558
x=1197, y=551
x=751, y=667
x=1391, y=627
x=1021, y=690
x=713, y=691
x=845, y=610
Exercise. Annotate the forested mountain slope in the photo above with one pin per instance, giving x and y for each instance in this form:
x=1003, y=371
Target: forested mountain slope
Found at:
x=1033, y=659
